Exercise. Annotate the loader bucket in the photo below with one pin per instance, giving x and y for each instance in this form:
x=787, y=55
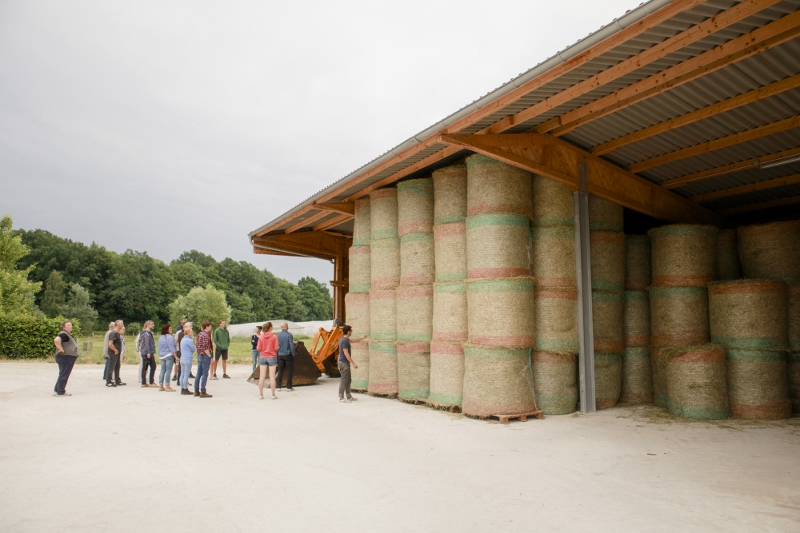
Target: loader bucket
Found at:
x=305, y=372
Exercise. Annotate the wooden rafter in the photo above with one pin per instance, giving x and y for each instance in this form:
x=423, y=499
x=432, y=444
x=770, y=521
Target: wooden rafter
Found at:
x=339, y=207
x=744, y=189
x=674, y=183
x=307, y=243
x=335, y=221
x=556, y=159
x=716, y=144
x=306, y=221
x=747, y=45
x=700, y=114
x=780, y=202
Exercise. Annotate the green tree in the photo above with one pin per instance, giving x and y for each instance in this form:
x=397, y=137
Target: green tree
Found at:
x=201, y=303
x=53, y=297
x=316, y=298
x=16, y=292
x=241, y=308
x=79, y=307
x=140, y=289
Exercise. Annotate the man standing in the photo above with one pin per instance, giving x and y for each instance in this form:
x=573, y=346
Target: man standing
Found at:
x=115, y=346
x=345, y=360
x=105, y=347
x=221, y=339
x=203, y=360
x=285, y=357
x=178, y=337
x=67, y=353
x=147, y=351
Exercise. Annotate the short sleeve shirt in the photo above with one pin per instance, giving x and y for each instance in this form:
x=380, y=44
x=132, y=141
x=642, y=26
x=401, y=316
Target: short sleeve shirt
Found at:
x=64, y=337
x=344, y=344
x=116, y=338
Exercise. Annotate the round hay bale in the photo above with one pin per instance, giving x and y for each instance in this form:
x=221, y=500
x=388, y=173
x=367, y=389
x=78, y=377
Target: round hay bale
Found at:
x=357, y=307
x=497, y=381
x=450, y=194
x=636, y=319
x=553, y=257
x=383, y=315
x=758, y=384
x=607, y=256
x=605, y=215
x=413, y=371
x=678, y=316
x=637, y=262
x=556, y=323
x=450, y=312
x=658, y=364
x=359, y=351
x=416, y=259
x=383, y=214
x=414, y=313
x=555, y=381
x=608, y=315
x=607, y=379
x=552, y=203
x=794, y=381
x=494, y=187
x=450, y=251
x=637, y=376
x=728, y=255
x=794, y=316
x=361, y=223
x=498, y=246
x=415, y=206
x=447, y=374
x=384, y=263
x=696, y=382
x=683, y=255
x=360, y=269
x=500, y=312
x=770, y=250
x=382, y=368
x=749, y=314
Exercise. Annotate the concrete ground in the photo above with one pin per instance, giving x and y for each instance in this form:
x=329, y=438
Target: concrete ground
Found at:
x=132, y=459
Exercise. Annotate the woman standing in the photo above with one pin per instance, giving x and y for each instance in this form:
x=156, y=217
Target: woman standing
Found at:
x=268, y=350
x=254, y=343
x=166, y=352
x=187, y=350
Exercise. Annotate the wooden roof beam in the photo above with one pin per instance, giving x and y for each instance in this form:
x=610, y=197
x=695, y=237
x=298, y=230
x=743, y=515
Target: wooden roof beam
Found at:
x=306, y=243
x=332, y=223
x=744, y=189
x=780, y=202
x=306, y=221
x=339, y=207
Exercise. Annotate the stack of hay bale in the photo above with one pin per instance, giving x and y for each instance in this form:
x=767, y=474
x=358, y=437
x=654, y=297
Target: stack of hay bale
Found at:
x=637, y=377
x=500, y=291
x=357, y=298
x=607, y=254
x=450, y=288
x=415, y=292
x=555, y=355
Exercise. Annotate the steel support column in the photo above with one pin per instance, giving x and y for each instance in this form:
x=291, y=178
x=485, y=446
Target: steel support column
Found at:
x=584, y=276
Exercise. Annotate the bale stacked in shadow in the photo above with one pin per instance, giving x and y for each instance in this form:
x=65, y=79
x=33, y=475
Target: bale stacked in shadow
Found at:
x=728, y=266
x=555, y=381
x=769, y=251
x=637, y=376
x=794, y=345
x=696, y=382
x=749, y=317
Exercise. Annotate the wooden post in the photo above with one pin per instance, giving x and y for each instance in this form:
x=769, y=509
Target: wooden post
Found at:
x=340, y=283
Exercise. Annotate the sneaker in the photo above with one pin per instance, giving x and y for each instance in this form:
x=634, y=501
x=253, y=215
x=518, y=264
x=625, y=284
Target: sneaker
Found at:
x=344, y=400
x=120, y=384
x=225, y=376
x=161, y=388
x=274, y=397
x=110, y=384
x=145, y=385
x=196, y=392
x=204, y=395
x=279, y=389
x=290, y=389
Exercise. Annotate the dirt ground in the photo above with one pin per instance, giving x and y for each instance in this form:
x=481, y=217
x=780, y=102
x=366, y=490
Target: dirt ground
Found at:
x=133, y=459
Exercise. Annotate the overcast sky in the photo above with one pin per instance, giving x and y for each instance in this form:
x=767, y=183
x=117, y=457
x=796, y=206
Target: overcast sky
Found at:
x=164, y=126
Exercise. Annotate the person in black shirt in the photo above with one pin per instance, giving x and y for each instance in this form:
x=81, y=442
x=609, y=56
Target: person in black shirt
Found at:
x=345, y=360
x=254, y=343
x=114, y=351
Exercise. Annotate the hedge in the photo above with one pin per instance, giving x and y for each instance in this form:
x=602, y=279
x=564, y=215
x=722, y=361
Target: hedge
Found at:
x=29, y=337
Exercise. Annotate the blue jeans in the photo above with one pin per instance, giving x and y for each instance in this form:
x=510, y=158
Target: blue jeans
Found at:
x=203, y=365
x=256, y=355
x=186, y=369
x=105, y=368
x=166, y=370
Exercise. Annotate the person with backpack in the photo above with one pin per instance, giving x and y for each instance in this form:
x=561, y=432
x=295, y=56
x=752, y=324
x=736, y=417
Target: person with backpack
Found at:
x=146, y=346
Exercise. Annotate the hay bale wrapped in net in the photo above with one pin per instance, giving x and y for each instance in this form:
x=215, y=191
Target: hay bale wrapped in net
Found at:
x=608, y=315
x=749, y=314
x=417, y=259
x=383, y=315
x=637, y=262
x=498, y=246
x=636, y=319
x=450, y=251
x=556, y=323
x=383, y=368
x=361, y=223
x=683, y=255
x=605, y=215
x=794, y=381
x=500, y=312
x=793, y=308
x=697, y=382
x=607, y=260
x=384, y=263
x=415, y=206
x=552, y=203
x=357, y=306
x=637, y=376
x=497, y=381
x=447, y=374
x=360, y=269
x=495, y=187
x=413, y=371
x=678, y=316
x=555, y=381
x=728, y=255
x=450, y=312
x=770, y=250
x=360, y=376
x=607, y=379
x=758, y=384
x=553, y=257
x=383, y=214
x=658, y=364
x=450, y=194
x=414, y=313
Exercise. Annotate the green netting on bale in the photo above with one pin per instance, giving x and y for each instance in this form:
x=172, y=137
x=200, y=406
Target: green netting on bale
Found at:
x=494, y=187
x=683, y=255
x=636, y=319
x=415, y=206
x=607, y=379
x=450, y=312
x=360, y=376
x=749, y=314
x=658, y=364
x=497, y=381
x=450, y=194
x=413, y=370
x=605, y=215
x=552, y=203
x=553, y=257
x=758, y=384
x=361, y=223
x=383, y=214
x=383, y=368
x=357, y=305
x=793, y=323
x=696, y=382
x=637, y=376
x=637, y=262
x=414, y=313
x=384, y=263
x=556, y=320
x=450, y=251
x=447, y=374
x=500, y=312
x=383, y=315
x=770, y=250
x=360, y=269
x=555, y=381
x=607, y=317
x=417, y=259
x=678, y=316
x=498, y=246
x=607, y=259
